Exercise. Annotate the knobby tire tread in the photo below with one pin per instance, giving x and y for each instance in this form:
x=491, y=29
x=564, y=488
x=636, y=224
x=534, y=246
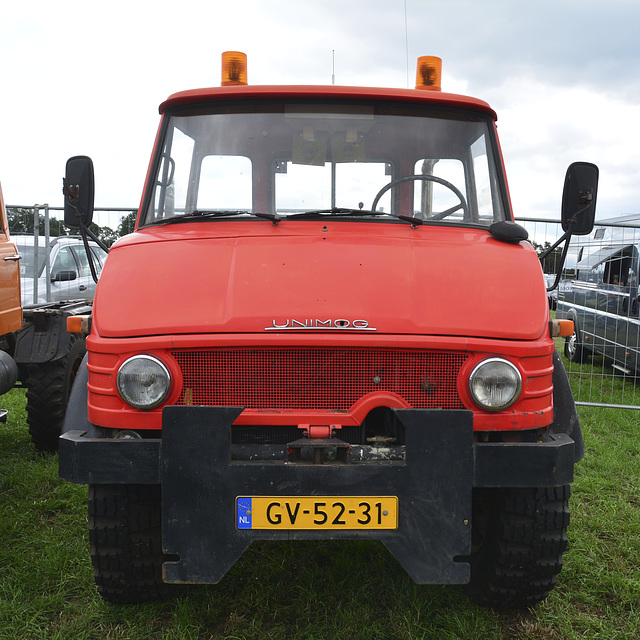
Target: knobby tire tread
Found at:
x=48, y=388
x=125, y=532
x=518, y=563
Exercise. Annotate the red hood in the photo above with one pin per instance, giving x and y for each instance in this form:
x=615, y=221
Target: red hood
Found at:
x=252, y=277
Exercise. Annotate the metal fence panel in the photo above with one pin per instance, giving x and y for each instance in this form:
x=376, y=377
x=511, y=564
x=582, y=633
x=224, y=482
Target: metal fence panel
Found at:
x=598, y=289
x=54, y=263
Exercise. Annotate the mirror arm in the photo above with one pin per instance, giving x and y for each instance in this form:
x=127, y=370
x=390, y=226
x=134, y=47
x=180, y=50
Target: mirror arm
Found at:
x=84, y=232
x=586, y=197
x=555, y=245
x=97, y=240
x=566, y=236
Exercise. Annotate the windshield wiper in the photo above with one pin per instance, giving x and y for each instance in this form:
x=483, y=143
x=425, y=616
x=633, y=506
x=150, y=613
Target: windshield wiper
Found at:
x=203, y=214
x=414, y=221
x=336, y=211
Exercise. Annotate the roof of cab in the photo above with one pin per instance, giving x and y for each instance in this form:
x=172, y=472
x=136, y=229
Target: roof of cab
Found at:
x=261, y=92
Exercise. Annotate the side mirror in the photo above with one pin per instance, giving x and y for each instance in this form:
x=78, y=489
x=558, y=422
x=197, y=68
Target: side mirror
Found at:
x=579, y=198
x=78, y=190
x=64, y=276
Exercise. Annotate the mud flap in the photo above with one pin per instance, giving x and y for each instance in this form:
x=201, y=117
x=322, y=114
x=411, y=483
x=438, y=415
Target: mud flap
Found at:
x=200, y=485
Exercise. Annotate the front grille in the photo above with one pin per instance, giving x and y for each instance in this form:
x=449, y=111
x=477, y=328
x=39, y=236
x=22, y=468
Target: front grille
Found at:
x=317, y=379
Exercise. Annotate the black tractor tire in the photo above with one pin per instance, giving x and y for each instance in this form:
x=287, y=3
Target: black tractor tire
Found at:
x=48, y=388
x=574, y=349
x=519, y=536
x=125, y=532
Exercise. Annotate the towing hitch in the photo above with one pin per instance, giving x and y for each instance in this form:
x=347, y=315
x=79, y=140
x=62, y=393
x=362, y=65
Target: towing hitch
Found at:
x=318, y=445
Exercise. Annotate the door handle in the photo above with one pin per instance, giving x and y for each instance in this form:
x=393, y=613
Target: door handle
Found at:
x=82, y=287
x=14, y=258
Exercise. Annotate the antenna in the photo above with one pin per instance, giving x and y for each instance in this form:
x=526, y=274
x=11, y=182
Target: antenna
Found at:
x=333, y=73
x=406, y=40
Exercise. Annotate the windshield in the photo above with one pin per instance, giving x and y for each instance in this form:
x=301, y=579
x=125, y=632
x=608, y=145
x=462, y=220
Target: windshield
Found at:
x=374, y=162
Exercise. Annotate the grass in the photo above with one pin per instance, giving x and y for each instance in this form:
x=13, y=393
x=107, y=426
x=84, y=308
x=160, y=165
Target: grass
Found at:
x=316, y=590
x=595, y=381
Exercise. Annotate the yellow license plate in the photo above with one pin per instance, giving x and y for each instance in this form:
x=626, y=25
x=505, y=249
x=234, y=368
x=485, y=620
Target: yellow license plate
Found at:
x=317, y=512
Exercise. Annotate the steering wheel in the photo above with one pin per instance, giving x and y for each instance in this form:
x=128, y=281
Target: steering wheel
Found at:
x=446, y=183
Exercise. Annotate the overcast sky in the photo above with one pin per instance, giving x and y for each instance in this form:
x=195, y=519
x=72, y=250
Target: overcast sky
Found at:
x=83, y=77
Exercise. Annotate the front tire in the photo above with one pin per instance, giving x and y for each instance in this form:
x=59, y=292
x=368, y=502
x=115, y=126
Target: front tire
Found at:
x=125, y=531
x=519, y=538
x=48, y=388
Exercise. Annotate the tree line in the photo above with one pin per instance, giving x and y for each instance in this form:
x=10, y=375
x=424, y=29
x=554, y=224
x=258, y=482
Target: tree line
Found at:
x=551, y=262
x=22, y=221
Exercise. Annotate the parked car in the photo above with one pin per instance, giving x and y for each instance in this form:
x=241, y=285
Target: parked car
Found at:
x=69, y=275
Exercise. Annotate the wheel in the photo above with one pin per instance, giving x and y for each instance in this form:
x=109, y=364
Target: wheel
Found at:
x=574, y=348
x=518, y=540
x=125, y=532
x=48, y=389
x=427, y=178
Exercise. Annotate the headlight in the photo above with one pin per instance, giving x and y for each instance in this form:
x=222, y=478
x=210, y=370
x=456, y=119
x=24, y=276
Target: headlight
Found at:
x=495, y=384
x=143, y=382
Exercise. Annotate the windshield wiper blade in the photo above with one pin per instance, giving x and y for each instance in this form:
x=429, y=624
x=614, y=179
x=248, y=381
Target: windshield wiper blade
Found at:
x=336, y=211
x=202, y=214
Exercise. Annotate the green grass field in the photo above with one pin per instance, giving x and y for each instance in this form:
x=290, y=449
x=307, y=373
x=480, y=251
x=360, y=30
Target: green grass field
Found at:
x=316, y=590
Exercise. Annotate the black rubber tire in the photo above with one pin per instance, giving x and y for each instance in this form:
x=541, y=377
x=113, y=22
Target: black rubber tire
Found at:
x=519, y=538
x=48, y=389
x=125, y=532
x=574, y=348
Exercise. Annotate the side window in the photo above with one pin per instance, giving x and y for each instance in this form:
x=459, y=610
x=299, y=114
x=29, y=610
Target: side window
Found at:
x=483, y=185
x=595, y=275
x=98, y=260
x=100, y=256
x=170, y=190
x=618, y=269
x=64, y=261
x=81, y=254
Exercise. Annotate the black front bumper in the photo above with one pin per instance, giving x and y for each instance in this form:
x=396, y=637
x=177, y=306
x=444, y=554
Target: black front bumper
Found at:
x=200, y=484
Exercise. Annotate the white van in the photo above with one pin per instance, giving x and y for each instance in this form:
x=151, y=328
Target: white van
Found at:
x=601, y=295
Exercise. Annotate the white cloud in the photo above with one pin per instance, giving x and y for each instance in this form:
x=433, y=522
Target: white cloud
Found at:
x=86, y=78
x=544, y=128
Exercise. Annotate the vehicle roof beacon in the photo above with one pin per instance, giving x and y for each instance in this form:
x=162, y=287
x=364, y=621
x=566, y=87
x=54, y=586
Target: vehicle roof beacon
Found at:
x=383, y=373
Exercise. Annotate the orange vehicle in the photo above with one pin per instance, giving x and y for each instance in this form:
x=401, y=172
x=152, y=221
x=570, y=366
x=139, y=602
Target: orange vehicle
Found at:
x=10, y=306
x=325, y=325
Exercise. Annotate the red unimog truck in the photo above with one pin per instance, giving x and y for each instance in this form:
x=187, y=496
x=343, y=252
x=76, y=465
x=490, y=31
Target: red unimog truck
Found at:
x=325, y=325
